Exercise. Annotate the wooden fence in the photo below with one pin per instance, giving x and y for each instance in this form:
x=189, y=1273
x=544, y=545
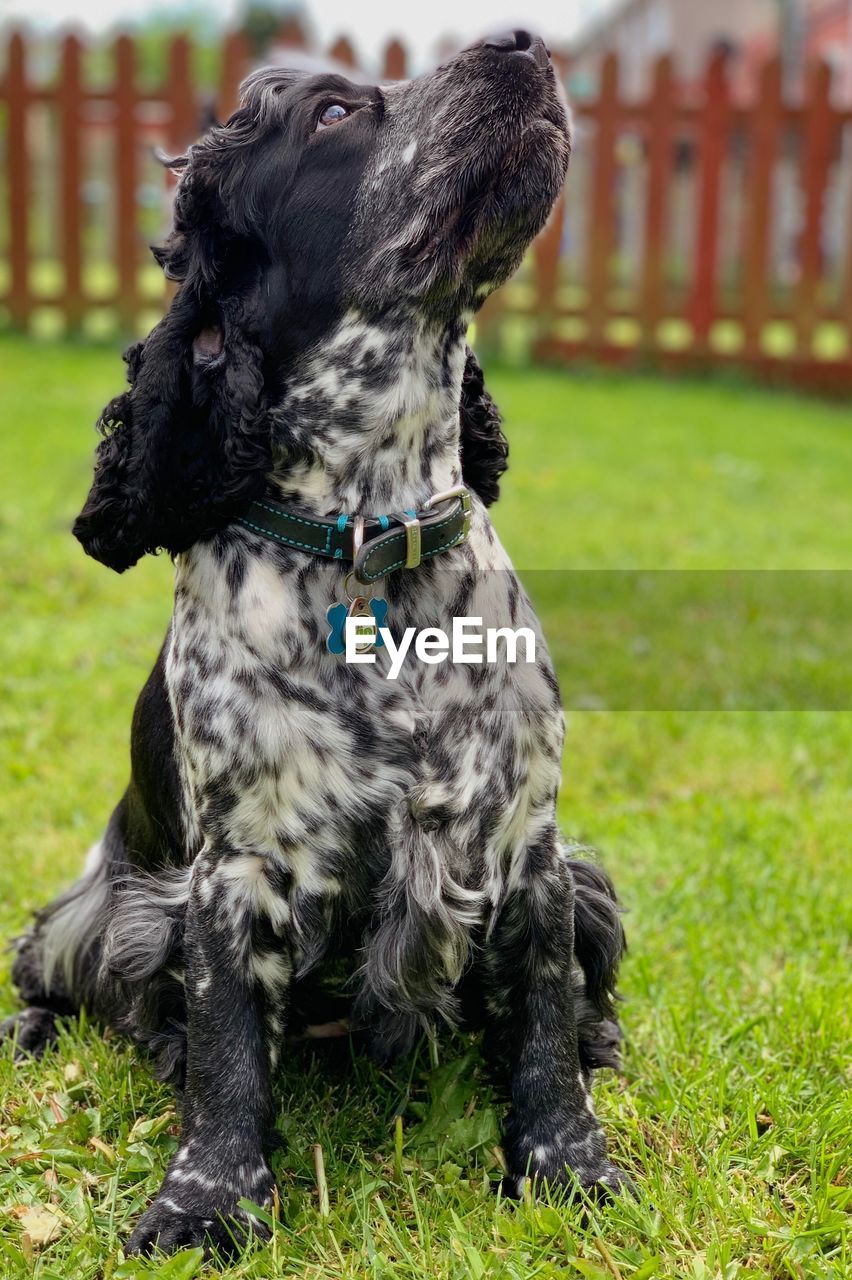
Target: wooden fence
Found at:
x=696, y=229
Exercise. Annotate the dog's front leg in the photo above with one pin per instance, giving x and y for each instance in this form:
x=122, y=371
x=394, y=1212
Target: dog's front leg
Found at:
x=551, y=1131
x=237, y=968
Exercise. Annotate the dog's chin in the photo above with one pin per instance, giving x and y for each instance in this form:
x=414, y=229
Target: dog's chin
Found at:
x=505, y=205
x=533, y=156
x=497, y=227
x=534, y=167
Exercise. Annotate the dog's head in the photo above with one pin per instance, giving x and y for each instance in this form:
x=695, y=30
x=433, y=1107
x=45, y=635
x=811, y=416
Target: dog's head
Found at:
x=464, y=169
x=321, y=197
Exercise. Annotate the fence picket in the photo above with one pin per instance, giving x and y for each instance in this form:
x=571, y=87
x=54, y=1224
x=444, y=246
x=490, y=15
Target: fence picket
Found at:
x=659, y=144
x=712, y=152
x=546, y=252
x=291, y=34
x=341, y=51
x=68, y=105
x=846, y=299
x=18, y=189
x=184, y=122
x=235, y=63
x=762, y=155
x=602, y=212
x=817, y=140
x=395, y=62
x=126, y=242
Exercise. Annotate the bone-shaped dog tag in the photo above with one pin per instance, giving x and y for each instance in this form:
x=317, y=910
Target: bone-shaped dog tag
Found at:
x=370, y=616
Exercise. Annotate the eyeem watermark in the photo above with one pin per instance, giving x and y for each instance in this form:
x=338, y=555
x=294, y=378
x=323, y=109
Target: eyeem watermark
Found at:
x=468, y=644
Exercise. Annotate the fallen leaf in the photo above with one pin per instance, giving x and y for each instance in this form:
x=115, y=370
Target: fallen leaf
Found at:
x=73, y=1072
x=40, y=1226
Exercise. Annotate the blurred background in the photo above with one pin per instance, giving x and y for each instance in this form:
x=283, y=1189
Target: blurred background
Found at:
x=709, y=217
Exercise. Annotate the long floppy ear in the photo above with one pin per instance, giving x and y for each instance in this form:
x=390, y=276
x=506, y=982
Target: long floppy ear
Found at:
x=188, y=446
x=484, y=448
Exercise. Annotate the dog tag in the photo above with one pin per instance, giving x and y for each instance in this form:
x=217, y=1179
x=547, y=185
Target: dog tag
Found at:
x=370, y=615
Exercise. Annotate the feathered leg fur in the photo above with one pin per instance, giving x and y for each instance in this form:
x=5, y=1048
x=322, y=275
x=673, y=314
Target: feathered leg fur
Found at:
x=534, y=1013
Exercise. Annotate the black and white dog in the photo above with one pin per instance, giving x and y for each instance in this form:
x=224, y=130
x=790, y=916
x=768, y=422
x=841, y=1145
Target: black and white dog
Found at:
x=290, y=814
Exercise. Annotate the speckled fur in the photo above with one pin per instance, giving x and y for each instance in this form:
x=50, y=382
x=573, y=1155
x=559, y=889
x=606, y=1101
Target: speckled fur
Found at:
x=289, y=812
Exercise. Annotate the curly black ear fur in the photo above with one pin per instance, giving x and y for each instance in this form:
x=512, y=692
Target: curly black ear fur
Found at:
x=185, y=449
x=188, y=446
x=484, y=448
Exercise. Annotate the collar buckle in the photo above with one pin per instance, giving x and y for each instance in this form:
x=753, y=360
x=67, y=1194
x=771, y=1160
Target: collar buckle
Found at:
x=445, y=495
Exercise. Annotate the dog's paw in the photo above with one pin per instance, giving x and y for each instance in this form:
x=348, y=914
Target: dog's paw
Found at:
x=602, y=1184
x=613, y=1182
x=198, y=1205
x=168, y=1226
x=33, y=1030
x=573, y=1153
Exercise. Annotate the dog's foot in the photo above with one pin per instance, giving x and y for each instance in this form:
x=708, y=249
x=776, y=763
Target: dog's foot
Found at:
x=33, y=1031
x=605, y=1184
x=195, y=1209
x=573, y=1152
x=167, y=1227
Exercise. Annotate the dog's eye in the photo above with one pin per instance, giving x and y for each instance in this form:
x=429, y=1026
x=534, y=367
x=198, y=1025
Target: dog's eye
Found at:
x=332, y=114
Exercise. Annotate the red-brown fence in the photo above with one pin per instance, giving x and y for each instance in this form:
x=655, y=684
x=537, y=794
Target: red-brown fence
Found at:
x=66, y=254
x=696, y=228
x=740, y=217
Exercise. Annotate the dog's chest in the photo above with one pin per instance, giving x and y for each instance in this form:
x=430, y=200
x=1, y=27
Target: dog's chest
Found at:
x=288, y=750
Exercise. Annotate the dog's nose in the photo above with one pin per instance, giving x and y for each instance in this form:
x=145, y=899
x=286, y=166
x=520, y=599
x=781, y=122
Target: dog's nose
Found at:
x=520, y=42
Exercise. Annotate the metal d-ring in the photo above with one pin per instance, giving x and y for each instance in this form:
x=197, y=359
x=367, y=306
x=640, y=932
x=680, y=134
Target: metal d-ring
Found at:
x=352, y=593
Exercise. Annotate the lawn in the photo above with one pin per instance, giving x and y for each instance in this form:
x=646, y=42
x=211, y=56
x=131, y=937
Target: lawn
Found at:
x=726, y=831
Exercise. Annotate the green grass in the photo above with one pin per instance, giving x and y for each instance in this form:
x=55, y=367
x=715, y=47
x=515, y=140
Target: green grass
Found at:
x=727, y=833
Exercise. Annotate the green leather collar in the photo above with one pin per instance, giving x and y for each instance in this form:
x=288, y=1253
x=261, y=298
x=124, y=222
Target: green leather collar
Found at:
x=375, y=545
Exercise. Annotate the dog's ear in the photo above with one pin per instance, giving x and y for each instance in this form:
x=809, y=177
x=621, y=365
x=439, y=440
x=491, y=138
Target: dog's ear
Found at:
x=187, y=447
x=484, y=447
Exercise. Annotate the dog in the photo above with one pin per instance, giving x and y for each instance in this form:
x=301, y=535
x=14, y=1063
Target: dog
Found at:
x=291, y=815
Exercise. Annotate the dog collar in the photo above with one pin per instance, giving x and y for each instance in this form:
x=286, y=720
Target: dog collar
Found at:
x=375, y=545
